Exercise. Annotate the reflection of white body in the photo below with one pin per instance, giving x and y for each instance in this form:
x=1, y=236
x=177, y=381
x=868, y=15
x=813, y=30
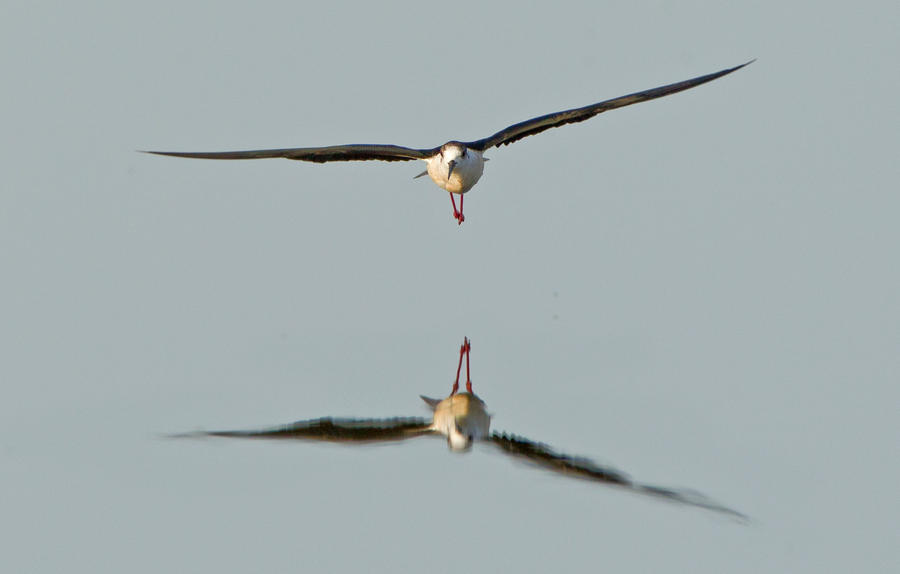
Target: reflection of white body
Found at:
x=456, y=166
x=463, y=419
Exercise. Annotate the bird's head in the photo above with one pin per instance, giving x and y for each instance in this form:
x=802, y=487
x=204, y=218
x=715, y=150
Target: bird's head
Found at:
x=452, y=153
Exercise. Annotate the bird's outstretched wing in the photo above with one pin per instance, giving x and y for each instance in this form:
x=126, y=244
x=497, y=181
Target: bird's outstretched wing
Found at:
x=537, y=125
x=577, y=467
x=351, y=152
x=335, y=430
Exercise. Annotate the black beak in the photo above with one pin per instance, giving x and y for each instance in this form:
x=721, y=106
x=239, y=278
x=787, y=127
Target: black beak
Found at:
x=452, y=164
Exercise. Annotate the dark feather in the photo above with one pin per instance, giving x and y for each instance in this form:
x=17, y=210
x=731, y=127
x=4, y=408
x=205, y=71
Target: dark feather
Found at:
x=537, y=125
x=352, y=152
x=363, y=152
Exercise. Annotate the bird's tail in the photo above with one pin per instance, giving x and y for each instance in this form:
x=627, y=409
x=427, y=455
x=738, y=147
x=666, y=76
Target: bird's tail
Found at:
x=433, y=403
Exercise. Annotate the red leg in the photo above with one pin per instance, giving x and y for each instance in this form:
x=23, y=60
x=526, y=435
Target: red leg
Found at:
x=455, y=211
x=457, y=215
x=461, y=216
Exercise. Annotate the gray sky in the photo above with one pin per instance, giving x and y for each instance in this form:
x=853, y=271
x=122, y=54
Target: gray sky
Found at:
x=701, y=290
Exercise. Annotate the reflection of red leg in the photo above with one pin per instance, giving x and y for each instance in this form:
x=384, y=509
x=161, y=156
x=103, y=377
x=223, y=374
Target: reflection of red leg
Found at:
x=462, y=350
x=468, y=349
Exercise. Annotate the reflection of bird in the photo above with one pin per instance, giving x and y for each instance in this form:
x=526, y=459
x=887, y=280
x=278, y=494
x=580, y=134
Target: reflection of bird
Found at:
x=456, y=166
x=463, y=419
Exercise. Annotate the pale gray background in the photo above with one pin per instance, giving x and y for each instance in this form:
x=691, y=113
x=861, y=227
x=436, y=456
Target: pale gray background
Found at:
x=702, y=290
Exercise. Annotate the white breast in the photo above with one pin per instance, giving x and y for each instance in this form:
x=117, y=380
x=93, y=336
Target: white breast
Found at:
x=466, y=172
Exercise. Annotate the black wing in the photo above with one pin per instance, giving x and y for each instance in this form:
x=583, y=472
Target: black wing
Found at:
x=335, y=430
x=578, y=467
x=537, y=125
x=351, y=152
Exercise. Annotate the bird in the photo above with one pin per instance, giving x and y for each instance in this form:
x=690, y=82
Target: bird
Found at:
x=462, y=418
x=456, y=166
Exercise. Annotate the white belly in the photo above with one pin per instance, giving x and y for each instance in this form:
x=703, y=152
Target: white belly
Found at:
x=466, y=172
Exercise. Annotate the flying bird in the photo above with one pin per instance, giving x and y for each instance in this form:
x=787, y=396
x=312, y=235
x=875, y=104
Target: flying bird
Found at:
x=462, y=417
x=455, y=166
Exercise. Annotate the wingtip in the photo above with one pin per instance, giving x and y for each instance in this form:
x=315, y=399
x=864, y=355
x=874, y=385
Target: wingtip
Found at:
x=725, y=72
x=692, y=498
x=180, y=435
x=168, y=153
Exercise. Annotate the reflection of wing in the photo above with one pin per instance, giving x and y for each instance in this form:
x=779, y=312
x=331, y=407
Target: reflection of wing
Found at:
x=577, y=467
x=337, y=430
x=543, y=455
x=533, y=126
x=351, y=152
